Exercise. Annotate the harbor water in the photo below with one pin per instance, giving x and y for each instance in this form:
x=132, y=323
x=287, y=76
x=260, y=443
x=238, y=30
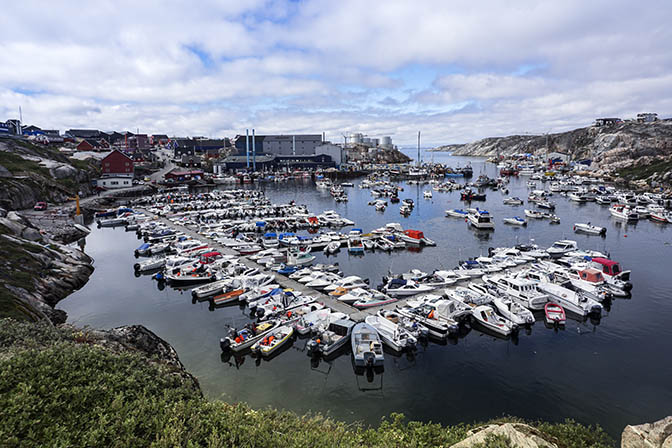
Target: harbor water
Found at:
x=613, y=372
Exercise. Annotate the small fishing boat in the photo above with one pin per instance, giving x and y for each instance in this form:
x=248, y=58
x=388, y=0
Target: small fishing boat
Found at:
x=589, y=229
x=367, y=348
x=427, y=194
x=239, y=340
x=275, y=339
x=516, y=221
x=328, y=341
x=394, y=336
x=555, y=314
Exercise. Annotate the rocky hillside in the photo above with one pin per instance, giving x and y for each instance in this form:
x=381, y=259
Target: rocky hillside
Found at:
x=36, y=272
x=613, y=148
x=32, y=172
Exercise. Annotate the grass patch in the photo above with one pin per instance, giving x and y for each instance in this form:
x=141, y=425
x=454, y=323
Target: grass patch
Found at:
x=17, y=164
x=59, y=389
x=645, y=171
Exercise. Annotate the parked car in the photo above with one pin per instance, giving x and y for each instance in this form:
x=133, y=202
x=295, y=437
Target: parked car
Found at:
x=40, y=206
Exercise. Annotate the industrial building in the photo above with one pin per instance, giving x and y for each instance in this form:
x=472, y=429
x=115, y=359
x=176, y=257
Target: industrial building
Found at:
x=271, y=162
x=304, y=144
x=359, y=139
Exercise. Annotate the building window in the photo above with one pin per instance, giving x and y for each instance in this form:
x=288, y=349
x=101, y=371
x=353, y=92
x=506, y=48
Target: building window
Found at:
x=127, y=164
x=107, y=164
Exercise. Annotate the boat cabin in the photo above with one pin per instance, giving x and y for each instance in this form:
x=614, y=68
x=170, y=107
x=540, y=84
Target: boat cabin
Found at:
x=608, y=267
x=591, y=275
x=209, y=257
x=415, y=234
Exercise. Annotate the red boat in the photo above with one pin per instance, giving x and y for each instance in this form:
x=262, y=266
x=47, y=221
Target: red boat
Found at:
x=555, y=314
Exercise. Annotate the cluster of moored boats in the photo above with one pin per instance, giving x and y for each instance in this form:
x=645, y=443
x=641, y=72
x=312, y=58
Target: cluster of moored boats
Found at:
x=499, y=294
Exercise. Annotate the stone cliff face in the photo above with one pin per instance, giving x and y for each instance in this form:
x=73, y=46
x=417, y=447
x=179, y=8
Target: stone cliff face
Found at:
x=35, y=272
x=612, y=147
x=31, y=172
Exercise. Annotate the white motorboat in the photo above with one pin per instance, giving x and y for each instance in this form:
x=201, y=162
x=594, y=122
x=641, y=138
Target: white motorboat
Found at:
x=397, y=287
x=394, y=336
x=150, y=265
x=481, y=219
x=438, y=329
x=333, y=247
x=270, y=240
x=589, y=229
x=521, y=290
x=575, y=302
x=367, y=349
x=516, y=221
x=328, y=341
x=306, y=322
x=485, y=316
x=300, y=258
x=415, y=328
x=562, y=247
x=513, y=311
x=427, y=194
x=373, y=298
x=534, y=214
x=348, y=283
x=513, y=201
x=457, y=213
x=620, y=211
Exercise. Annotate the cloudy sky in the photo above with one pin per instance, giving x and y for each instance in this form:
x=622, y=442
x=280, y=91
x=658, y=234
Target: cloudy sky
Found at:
x=455, y=70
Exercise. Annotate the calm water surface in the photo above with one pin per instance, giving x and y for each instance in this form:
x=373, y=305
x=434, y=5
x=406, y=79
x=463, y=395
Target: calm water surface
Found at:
x=614, y=373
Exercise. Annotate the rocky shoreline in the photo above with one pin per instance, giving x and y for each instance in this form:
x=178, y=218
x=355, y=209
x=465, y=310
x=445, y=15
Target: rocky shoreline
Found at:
x=37, y=271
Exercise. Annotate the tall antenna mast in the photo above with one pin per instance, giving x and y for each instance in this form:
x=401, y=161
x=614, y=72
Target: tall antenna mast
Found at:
x=418, y=162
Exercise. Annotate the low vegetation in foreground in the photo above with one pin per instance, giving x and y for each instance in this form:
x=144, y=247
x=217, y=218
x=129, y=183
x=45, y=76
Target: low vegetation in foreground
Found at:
x=58, y=388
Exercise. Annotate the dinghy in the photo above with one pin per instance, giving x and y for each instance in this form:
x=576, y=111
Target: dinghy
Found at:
x=275, y=339
x=555, y=315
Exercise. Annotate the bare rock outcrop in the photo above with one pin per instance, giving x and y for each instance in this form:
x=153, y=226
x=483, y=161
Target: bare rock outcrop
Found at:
x=648, y=435
x=518, y=434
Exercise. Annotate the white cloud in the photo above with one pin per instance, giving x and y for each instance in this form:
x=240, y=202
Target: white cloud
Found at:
x=219, y=66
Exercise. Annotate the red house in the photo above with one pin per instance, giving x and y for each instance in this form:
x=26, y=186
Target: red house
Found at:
x=117, y=163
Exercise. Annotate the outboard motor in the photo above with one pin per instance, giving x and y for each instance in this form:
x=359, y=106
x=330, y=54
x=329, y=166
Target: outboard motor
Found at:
x=491, y=251
x=260, y=312
x=224, y=344
x=369, y=358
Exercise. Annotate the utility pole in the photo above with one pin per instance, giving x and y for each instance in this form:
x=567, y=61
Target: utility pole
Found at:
x=247, y=147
